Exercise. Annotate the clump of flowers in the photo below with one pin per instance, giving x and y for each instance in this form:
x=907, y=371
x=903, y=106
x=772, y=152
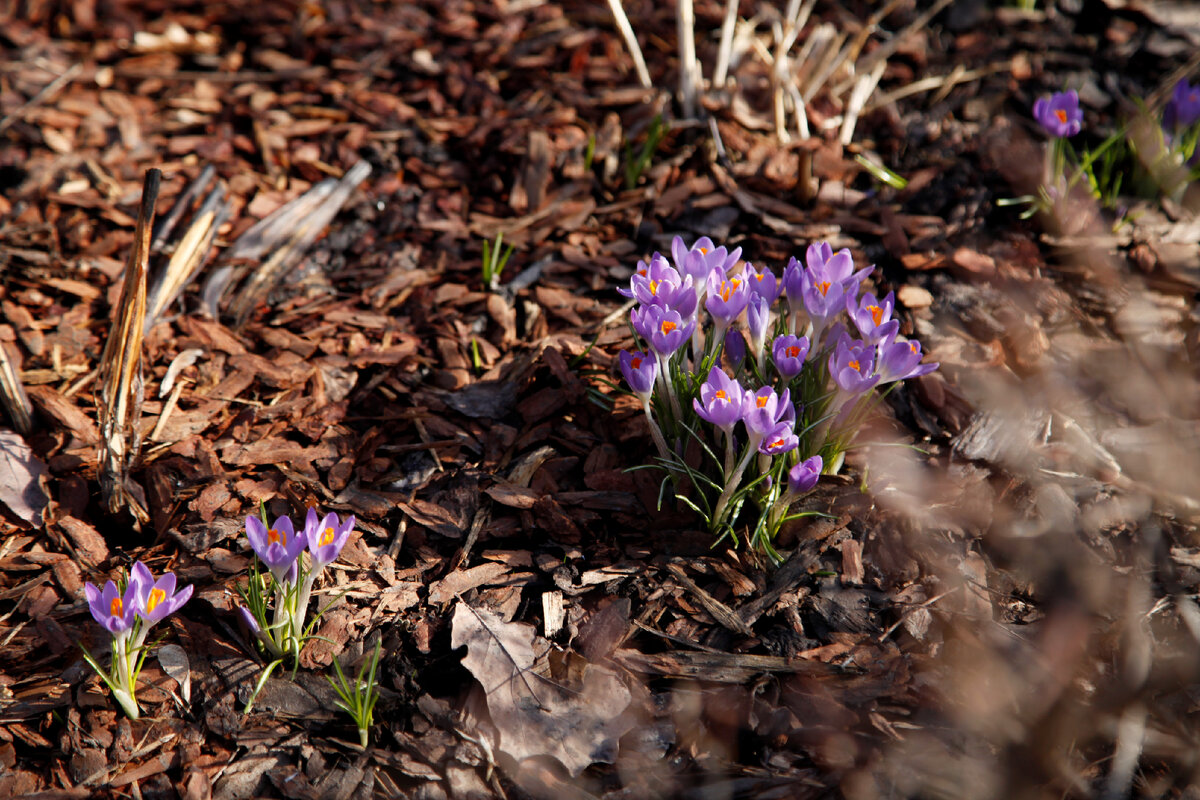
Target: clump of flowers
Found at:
x=277, y=600
x=128, y=611
x=746, y=436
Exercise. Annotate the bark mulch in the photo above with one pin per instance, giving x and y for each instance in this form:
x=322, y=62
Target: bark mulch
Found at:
x=1004, y=609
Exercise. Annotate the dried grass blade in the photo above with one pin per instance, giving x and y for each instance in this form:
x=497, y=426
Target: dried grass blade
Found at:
x=12, y=394
x=120, y=371
x=190, y=254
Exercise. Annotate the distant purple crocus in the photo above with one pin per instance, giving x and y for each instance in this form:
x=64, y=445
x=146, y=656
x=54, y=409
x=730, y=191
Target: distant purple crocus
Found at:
x=112, y=609
x=699, y=260
x=789, y=352
x=158, y=599
x=873, y=317
x=662, y=285
x=852, y=366
x=640, y=371
x=902, y=360
x=727, y=297
x=277, y=546
x=720, y=400
x=326, y=537
x=665, y=329
x=803, y=477
x=762, y=283
x=764, y=410
x=1059, y=114
x=781, y=439
x=1183, y=109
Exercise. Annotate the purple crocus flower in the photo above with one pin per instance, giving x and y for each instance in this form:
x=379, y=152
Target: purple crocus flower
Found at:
x=789, y=353
x=248, y=618
x=803, y=477
x=1059, y=114
x=720, y=400
x=873, y=317
x=1183, y=109
x=277, y=547
x=640, y=371
x=735, y=347
x=762, y=284
x=661, y=285
x=158, y=599
x=824, y=264
x=664, y=329
x=113, y=610
x=781, y=439
x=764, y=410
x=326, y=537
x=758, y=319
x=727, y=297
x=902, y=360
x=852, y=365
x=699, y=260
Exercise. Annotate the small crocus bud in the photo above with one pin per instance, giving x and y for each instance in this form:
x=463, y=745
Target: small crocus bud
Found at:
x=803, y=477
x=1183, y=109
x=735, y=347
x=1059, y=114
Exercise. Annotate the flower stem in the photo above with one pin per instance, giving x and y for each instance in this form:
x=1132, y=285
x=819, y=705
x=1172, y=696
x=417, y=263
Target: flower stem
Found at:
x=731, y=484
x=655, y=432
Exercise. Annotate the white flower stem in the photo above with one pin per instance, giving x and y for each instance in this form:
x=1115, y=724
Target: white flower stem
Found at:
x=731, y=484
x=655, y=431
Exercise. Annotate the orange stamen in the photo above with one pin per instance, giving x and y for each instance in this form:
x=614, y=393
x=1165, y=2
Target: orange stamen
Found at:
x=668, y=326
x=876, y=314
x=636, y=363
x=703, y=250
x=1062, y=115
x=654, y=287
x=116, y=609
x=720, y=395
x=792, y=352
x=823, y=287
x=327, y=537
x=855, y=366
x=762, y=402
x=776, y=443
x=276, y=536
x=914, y=347
x=156, y=597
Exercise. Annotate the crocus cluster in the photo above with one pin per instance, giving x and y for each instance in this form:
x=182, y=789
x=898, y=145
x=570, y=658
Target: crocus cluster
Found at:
x=128, y=611
x=770, y=407
x=289, y=581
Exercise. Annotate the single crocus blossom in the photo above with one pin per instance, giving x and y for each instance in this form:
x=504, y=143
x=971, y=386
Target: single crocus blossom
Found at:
x=727, y=297
x=1059, y=114
x=758, y=320
x=112, y=609
x=277, y=546
x=873, y=317
x=158, y=598
x=824, y=264
x=665, y=329
x=803, y=477
x=789, y=352
x=735, y=347
x=852, y=366
x=902, y=360
x=702, y=258
x=326, y=537
x=781, y=439
x=764, y=410
x=1183, y=109
x=662, y=285
x=762, y=283
x=720, y=400
x=640, y=371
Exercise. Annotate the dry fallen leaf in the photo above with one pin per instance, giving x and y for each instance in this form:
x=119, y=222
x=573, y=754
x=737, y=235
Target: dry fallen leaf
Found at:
x=534, y=715
x=20, y=471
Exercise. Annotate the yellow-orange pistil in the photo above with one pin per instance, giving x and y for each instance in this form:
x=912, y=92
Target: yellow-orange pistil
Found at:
x=156, y=597
x=327, y=537
x=276, y=536
x=636, y=362
x=668, y=326
x=720, y=395
x=876, y=314
x=117, y=608
x=792, y=352
x=855, y=366
x=654, y=287
x=761, y=401
x=776, y=443
x=1062, y=115
x=823, y=287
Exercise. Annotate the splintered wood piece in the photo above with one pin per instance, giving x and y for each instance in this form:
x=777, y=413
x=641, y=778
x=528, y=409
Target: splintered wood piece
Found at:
x=120, y=371
x=190, y=254
x=12, y=394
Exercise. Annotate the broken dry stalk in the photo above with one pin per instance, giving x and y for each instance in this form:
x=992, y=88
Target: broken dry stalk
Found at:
x=120, y=372
x=12, y=394
x=635, y=50
x=685, y=24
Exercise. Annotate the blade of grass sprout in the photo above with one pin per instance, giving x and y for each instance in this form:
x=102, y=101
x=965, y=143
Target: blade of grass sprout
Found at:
x=12, y=394
x=293, y=249
x=183, y=203
x=190, y=254
x=881, y=173
x=120, y=370
x=631, y=42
